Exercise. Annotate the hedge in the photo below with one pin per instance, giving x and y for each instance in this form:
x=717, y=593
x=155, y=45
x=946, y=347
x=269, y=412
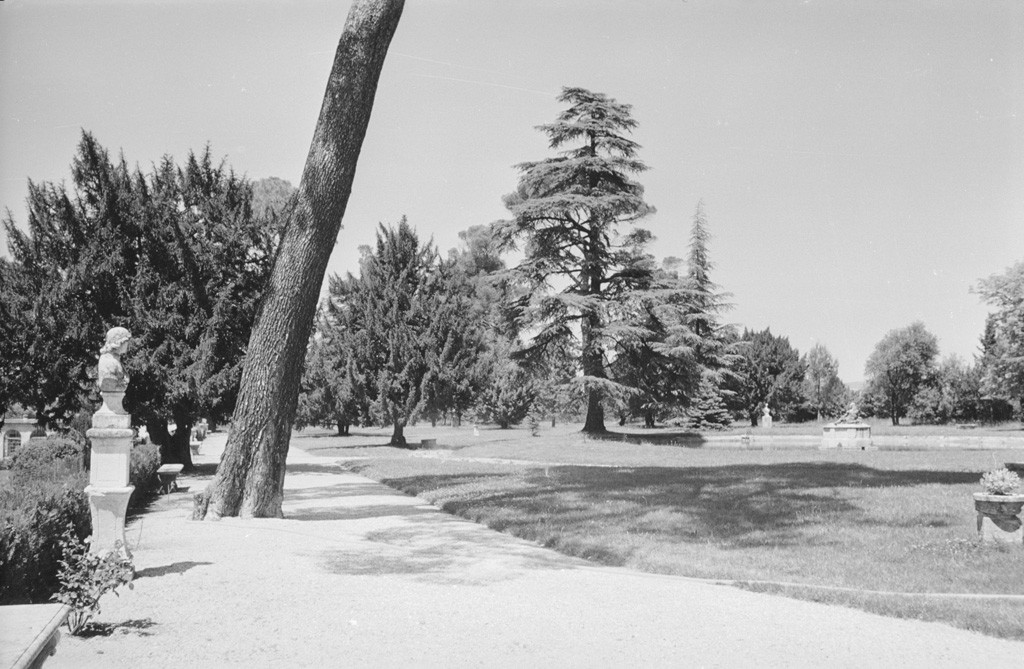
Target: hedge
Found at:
x=45, y=493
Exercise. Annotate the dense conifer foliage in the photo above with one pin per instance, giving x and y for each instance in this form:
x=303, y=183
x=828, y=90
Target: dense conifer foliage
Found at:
x=568, y=215
x=768, y=373
x=176, y=256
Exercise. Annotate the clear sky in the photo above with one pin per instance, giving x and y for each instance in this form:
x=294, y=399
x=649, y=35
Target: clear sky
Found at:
x=861, y=163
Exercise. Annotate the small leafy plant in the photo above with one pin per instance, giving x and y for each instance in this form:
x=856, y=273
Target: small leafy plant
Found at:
x=1000, y=482
x=85, y=577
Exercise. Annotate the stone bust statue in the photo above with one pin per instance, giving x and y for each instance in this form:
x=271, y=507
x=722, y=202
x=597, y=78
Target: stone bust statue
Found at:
x=110, y=374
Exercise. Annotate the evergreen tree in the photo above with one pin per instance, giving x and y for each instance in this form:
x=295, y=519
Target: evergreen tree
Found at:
x=330, y=392
x=713, y=347
x=568, y=210
x=707, y=409
x=405, y=333
x=656, y=359
x=456, y=344
x=175, y=256
x=509, y=395
x=385, y=313
x=769, y=373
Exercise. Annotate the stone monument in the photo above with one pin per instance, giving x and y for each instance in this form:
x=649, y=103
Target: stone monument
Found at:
x=766, y=417
x=847, y=432
x=111, y=436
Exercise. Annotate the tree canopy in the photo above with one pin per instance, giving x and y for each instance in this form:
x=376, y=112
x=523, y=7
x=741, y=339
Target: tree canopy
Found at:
x=768, y=373
x=567, y=213
x=176, y=256
x=400, y=340
x=825, y=391
x=1003, y=346
x=902, y=363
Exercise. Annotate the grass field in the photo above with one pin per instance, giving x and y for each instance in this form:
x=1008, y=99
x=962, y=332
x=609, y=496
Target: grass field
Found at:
x=876, y=522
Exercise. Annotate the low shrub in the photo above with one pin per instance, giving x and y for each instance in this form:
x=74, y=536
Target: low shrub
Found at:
x=53, y=459
x=142, y=467
x=85, y=577
x=46, y=493
x=33, y=515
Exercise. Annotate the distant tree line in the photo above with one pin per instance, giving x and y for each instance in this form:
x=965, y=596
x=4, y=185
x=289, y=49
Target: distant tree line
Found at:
x=588, y=324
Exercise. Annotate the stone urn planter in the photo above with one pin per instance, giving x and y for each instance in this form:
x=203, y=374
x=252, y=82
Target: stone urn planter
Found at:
x=999, y=517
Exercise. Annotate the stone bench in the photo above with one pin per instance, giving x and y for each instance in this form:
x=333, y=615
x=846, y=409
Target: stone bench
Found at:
x=29, y=633
x=168, y=475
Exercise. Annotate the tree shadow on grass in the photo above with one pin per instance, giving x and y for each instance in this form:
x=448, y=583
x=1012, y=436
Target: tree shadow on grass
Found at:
x=734, y=506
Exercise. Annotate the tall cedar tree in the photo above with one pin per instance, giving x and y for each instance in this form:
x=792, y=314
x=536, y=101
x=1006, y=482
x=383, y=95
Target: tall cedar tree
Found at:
x=714, y=342
x=769, y=373
x=902, y=364
x=569, y=209
x=176, y=256
x=250, y=478
x=656, y=359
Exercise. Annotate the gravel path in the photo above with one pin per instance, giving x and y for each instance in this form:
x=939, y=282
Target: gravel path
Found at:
x=358, y=575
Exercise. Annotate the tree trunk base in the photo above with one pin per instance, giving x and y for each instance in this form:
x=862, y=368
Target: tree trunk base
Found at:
x=201, y=506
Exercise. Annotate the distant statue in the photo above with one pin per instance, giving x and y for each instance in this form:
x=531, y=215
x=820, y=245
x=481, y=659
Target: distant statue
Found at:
x=110, y=374
x=766, y=417
x=852, y=414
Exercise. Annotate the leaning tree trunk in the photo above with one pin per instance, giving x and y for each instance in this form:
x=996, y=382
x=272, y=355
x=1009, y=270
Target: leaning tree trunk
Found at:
x=250, y=478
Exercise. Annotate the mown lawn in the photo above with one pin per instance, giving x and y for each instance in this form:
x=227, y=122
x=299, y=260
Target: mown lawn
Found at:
x=889, y=522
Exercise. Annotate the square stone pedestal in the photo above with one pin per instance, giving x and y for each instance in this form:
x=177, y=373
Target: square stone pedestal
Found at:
x=855, y=436
x=108, y=507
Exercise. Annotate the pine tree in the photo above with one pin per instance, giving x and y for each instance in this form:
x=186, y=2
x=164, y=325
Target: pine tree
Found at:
x=769, y=373
x=655, y=358
x=176, y=256
x=568, y=211
x=508, y=397
x=714, y=350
